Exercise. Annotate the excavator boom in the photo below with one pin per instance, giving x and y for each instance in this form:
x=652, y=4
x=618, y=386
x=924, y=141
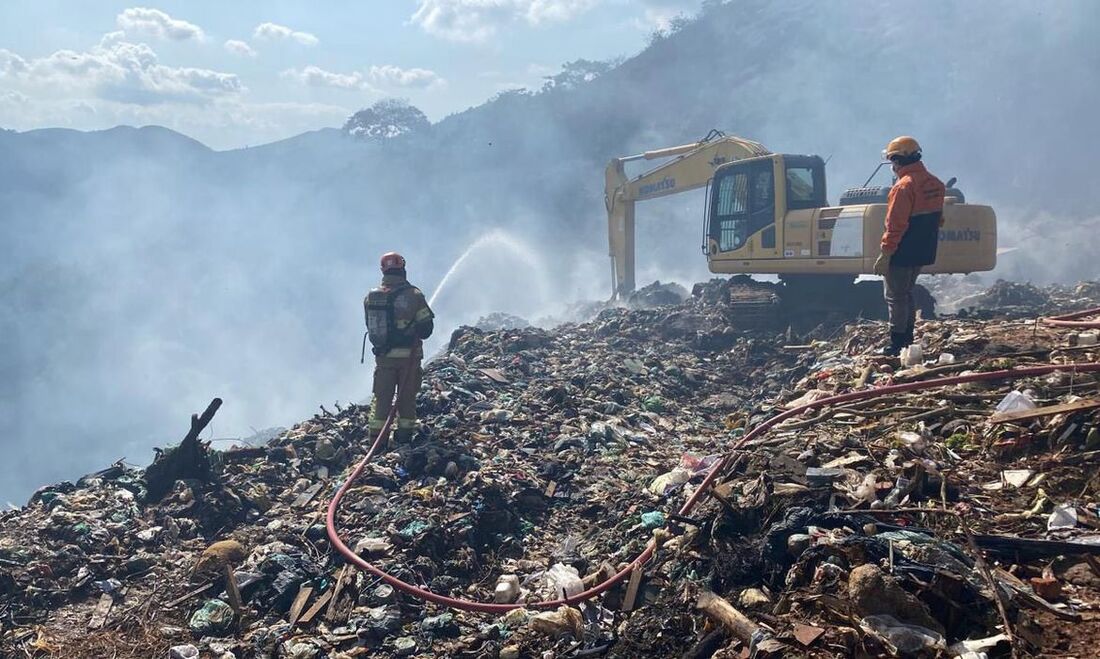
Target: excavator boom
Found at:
x=692, y=168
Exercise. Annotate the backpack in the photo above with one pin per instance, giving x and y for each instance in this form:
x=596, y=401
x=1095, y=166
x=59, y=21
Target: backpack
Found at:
x=381, y=325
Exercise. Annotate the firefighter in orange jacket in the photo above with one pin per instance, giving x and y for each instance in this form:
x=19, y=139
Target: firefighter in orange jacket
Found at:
x=398, y=319
x=913, y=220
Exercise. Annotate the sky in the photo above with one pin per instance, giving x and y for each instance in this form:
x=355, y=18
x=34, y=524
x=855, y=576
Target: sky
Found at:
x=235, y=74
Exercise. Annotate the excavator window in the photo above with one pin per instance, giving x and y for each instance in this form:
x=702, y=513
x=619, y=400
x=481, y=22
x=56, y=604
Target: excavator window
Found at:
x=805, y=182
x=732, y=201
x=800, y=184
x=744, y=203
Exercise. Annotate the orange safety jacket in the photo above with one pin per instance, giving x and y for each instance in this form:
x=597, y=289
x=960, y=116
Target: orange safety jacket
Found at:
x=913, y=217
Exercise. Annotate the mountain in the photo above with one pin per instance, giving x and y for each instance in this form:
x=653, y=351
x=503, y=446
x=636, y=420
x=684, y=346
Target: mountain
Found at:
x=143, y=273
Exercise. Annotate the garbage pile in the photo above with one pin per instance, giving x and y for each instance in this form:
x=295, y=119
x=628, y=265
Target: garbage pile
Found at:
x=965, y=294
x=951, y=521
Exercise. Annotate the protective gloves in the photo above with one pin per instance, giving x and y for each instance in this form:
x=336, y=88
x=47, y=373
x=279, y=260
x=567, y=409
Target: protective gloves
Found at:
x=882, y=264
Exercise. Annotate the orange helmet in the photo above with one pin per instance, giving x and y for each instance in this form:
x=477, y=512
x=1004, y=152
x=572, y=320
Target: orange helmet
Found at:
x=903, y=146
x=392, y=261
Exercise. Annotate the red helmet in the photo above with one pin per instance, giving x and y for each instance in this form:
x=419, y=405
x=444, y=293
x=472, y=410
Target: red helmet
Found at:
x=392, y=261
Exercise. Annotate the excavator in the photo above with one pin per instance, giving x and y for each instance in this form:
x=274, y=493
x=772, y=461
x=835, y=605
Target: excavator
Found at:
x=767, y=213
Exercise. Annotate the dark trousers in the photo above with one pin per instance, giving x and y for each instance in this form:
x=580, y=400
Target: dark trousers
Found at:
x=398, y=374
x=898, y=291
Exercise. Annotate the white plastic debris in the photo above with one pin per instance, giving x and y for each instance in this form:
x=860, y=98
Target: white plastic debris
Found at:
x=507, y=589
x=914, y=441
x=1063, y=517
x=908, y=639
x=1017, y=477
x=945, y=359
x=372, y=547
x=564, y=580
x=811, y=396
x=912, y=355
x=669, y=481
x=971, y=648
x=183, y=652
x=866, y=492
x=1015, y=401
x=1088, y=338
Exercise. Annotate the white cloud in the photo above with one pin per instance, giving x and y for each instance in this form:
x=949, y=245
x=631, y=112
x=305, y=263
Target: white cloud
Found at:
x=395, y=76
x=537, y=12
x=275, y=32
x=156, y=23
x=11, y=64
x=120, y=71
x=386, y=75
x=477, y=20
x=659, y=14
x=13, y=98
x=315, y=76
x=238, y=47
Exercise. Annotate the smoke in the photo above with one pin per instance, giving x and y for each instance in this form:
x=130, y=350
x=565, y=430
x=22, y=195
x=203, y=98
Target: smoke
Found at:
x=143, y=274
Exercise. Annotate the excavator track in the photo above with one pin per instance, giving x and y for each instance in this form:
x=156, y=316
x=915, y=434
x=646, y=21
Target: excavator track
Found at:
x=804, y=302
x=754, y=308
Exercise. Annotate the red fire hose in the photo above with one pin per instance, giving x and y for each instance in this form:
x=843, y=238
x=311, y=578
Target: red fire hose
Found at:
x=1074, y=319
x=641, y=559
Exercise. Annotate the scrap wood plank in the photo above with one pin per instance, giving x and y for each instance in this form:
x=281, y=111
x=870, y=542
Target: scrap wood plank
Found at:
x=183, y=598
x=337, y=590
x=1049, y=410
x=231, y=589
x=102, y=609
x=305, y=497
x=299, y=603
x=309, y=615
x=494, y=374
x=457, y=517
x=632, y=588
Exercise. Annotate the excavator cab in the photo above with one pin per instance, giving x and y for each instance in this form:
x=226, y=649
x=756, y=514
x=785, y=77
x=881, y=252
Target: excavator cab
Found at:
x=748, y=200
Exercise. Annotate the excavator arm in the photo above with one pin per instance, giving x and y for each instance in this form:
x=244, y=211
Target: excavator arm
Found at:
x=692, y=168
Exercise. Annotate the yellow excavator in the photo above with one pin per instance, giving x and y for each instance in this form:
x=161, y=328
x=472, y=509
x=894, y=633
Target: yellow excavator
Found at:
x=767, y=213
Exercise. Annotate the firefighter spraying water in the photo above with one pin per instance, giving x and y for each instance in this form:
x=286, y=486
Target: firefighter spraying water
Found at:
x=398, y=320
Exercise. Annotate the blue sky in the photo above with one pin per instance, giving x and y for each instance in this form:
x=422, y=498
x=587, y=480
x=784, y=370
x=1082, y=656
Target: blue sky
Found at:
x=233, y=74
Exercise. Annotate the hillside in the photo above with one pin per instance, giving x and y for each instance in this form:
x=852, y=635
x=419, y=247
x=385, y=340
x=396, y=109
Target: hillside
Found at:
x=143, y=272
x=813, y=500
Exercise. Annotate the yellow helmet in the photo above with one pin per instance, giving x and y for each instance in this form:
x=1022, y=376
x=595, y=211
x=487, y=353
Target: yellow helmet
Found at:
x=903, y=146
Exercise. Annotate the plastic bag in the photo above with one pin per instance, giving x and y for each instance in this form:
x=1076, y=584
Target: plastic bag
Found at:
x=1015, y=401
x=905, y=637
x=1064, y=516
x=669, y=481
x=912, y=355
x=564, y=581
x=214, y=618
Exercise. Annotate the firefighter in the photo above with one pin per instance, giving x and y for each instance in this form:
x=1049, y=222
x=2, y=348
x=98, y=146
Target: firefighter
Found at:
x=913, y=219
x=398, y=320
